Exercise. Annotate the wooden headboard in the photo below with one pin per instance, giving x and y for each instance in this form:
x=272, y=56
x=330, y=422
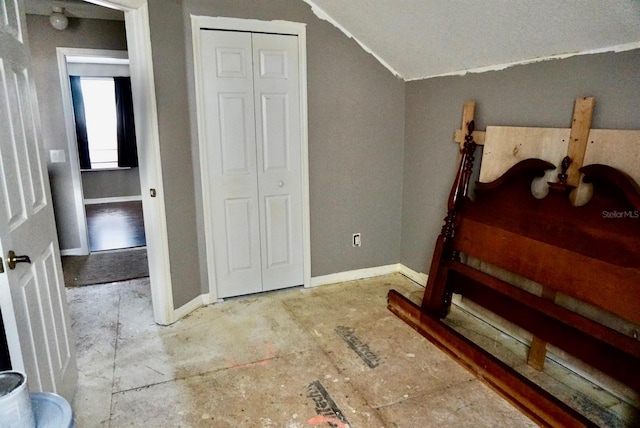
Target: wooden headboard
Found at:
x=589, y=252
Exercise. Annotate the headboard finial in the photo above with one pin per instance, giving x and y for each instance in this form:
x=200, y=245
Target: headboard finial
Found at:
x=563, y=176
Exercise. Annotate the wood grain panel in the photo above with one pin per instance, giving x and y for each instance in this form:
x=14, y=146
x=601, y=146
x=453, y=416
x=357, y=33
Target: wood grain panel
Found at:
x=570, y=273
x=505, y=146
x=619, y=149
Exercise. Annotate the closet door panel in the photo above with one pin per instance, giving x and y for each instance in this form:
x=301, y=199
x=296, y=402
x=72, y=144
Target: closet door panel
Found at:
x=278, y=220
x=231, y=156
x=278, y=138
x=275, y=132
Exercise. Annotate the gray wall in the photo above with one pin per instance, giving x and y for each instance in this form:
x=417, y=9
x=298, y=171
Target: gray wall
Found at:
x=43, y=41
x=168, y=46
x=356, y=135
x=110, y=183
x=541, y=94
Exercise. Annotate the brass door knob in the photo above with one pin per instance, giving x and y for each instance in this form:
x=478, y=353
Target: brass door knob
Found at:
x=12, y=259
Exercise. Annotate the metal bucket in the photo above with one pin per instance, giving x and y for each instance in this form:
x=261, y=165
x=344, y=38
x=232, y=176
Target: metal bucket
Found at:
x=15, y=402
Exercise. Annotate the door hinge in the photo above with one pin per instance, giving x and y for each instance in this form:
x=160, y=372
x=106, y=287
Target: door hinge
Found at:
x=1, y=265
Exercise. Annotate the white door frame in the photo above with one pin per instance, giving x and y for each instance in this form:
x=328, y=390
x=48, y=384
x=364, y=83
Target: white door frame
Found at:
x=136, y=14
x=63, y=55
x=251, y=25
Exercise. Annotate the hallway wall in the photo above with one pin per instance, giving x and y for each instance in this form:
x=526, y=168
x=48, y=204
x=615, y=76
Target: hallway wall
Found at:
x=43, y=41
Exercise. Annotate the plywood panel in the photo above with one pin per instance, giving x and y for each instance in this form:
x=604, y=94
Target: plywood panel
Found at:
x=617, y=148
x=505, y=146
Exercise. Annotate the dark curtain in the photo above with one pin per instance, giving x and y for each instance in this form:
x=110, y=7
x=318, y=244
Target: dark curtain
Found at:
x=127, y=149
x=81, y=122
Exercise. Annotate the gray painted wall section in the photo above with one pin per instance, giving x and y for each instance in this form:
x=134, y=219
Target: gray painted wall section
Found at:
x=111, y=183
x=168, y=49
x=43, y=41
x=541, y=94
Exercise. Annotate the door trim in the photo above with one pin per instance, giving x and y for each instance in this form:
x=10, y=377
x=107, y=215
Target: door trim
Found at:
x=251, y=25
x=136, y=15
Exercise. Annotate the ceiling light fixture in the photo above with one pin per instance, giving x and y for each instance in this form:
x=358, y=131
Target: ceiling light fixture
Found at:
x=57, y=19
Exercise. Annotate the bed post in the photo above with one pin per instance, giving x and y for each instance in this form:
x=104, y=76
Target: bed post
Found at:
x=437, y=299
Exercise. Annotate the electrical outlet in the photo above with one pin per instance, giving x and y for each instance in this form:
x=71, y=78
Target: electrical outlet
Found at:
x=357, y=240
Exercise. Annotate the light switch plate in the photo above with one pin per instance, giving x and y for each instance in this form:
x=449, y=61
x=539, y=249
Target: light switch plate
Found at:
x=57, y=156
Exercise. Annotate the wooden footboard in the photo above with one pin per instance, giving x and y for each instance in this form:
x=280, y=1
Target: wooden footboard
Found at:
x=535, y=402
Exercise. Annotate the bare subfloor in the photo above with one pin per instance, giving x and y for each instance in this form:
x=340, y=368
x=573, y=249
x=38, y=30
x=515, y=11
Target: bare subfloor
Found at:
x=292, y=358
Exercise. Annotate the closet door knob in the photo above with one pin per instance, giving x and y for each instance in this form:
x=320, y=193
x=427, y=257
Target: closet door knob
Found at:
x=280, y=183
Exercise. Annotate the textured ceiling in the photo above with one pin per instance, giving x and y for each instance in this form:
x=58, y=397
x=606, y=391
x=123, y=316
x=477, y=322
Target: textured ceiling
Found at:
x=417, y=39
x=72, y=8
x=425, y=38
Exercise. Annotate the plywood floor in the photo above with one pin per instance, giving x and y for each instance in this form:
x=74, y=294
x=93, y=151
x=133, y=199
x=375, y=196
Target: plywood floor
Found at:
x=328, y=356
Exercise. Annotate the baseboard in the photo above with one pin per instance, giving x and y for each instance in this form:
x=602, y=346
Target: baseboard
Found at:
x=111, y=200
x=73, y=252
x=417, y=277
x=187, y=308
x=206, y=299
x=351, y=275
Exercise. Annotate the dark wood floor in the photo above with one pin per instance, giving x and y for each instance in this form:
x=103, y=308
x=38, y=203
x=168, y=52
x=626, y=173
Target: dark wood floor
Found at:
x=115, y=225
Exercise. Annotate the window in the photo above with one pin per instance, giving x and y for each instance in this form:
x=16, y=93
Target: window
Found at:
x=101, y=121
x=105, y=126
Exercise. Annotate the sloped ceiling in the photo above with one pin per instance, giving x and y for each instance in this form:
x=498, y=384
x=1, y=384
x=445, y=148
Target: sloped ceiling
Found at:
x=418, y=39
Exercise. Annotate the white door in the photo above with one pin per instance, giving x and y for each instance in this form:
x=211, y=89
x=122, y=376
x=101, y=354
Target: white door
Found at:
x=278, y=141
x=230, y=129
x=32, y=294
x=253, y=134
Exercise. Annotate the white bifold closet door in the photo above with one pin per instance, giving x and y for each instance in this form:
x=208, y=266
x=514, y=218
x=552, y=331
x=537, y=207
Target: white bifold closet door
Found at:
x=253, y=133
